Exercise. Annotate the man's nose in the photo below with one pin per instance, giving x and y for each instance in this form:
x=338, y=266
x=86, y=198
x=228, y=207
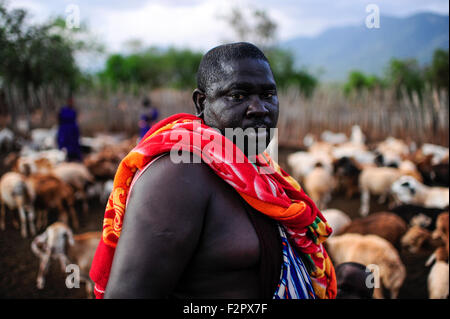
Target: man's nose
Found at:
x=256, y=107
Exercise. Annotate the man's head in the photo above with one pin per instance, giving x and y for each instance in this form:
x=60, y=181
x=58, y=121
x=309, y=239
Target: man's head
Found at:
x=146, y=102
x=352, y=281
x=69, y=101
x=236, y=89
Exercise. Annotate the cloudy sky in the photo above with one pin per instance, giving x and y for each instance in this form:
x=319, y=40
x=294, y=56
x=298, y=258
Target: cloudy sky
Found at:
x=197, y=24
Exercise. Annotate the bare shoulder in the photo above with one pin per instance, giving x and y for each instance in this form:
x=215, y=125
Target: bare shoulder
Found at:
x=171, y=191
x=168, y=179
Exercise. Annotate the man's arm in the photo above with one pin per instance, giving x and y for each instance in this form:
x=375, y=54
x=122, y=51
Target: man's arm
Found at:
x=162, y=226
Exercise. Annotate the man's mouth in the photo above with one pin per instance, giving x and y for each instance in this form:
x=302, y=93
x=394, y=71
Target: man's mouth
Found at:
x=258, y=130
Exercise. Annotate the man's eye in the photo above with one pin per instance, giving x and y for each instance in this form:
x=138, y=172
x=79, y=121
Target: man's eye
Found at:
x=268, y=95
x=237, y=96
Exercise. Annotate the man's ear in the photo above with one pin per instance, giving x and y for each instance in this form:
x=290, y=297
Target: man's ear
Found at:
x=198, y=96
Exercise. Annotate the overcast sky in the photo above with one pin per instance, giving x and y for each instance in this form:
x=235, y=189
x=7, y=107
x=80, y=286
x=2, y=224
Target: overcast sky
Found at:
x=196, y=23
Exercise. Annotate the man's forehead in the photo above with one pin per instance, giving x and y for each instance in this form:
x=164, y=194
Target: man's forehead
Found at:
x=245, y=64
x=244, y=73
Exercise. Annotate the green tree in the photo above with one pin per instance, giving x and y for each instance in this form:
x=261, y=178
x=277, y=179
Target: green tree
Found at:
x=153, y=68
x=37, y=56
x=406, y=75
x=286, y=75
x=257, y=27
x=437, y=73
x=357, y=81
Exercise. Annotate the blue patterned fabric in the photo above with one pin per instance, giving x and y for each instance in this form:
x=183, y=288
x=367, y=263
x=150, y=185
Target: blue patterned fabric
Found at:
x=295, y=282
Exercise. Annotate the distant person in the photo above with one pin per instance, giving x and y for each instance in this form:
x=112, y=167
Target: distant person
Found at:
x=68, y=131
x=352, y=281
x=148, y=117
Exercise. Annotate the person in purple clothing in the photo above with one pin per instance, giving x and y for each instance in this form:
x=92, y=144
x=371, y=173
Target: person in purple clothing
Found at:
x=148, y=116
x=68, y=131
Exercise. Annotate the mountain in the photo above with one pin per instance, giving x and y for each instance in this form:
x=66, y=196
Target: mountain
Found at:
x=337, y=51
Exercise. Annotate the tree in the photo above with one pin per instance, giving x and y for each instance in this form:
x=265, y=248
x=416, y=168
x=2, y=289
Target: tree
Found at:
x=437, y=73
x=358, y=81
x=406, y=75
x=257, y=27
x=285, y=74
x=153, y=67
x=252, y=25
x=36, y=56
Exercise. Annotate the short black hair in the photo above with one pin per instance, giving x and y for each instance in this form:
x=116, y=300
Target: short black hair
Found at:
x=350, y=263
x=211, y=69
x=146, y=102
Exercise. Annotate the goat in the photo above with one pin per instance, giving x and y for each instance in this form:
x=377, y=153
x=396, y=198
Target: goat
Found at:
x=337, y=219
x=16, y=194
x=408, y=190
x=377, y=181
x=370, y=250
x=441, y=231
x=52, y=193
x=418, y=239
x=384, y=224
x=78, y=177
x=319, y=185
x=58, y=242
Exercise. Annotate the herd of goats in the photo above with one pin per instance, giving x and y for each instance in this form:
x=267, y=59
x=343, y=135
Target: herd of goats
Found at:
x=411, y=180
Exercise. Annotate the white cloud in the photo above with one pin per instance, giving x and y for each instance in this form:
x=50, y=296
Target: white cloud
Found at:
x=162, y=25
x=195, y=23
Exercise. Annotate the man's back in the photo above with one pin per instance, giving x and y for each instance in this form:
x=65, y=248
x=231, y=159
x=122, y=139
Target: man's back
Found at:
x=188, y=234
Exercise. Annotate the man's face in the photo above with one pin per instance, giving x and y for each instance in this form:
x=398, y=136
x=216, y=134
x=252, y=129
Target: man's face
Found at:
x=246, y=97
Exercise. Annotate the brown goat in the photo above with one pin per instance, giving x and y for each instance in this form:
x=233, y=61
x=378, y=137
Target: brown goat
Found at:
x=418, y=239
x=77, y=176
x=384, y=224
x=52, y=193
x=441, y=231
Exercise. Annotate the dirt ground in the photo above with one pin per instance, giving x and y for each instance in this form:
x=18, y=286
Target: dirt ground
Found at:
x=18, y=265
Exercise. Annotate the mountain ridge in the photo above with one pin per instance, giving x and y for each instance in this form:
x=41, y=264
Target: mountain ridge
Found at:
x=336, y=51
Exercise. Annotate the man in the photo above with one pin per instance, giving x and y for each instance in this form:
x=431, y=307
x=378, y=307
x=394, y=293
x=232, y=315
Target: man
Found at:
x=148, y=116
x=68, y=135
x=353, y=281
x=196, y=230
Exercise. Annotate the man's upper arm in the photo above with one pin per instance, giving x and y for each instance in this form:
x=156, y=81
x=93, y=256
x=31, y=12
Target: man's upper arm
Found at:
x=162, y=226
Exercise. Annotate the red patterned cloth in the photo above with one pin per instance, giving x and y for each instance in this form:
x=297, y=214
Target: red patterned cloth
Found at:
x=262, y=184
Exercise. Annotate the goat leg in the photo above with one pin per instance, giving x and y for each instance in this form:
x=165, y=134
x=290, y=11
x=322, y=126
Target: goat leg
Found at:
x=23, y=222
x=31, y=220
x=2, y=216
x=378, y=293
x=73, y=216
x=43, y=268
x=365, y=201
x=383, y=197
x=85, y=204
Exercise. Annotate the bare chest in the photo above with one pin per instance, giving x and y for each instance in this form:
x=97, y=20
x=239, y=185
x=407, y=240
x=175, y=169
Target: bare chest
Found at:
x=229, y=240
